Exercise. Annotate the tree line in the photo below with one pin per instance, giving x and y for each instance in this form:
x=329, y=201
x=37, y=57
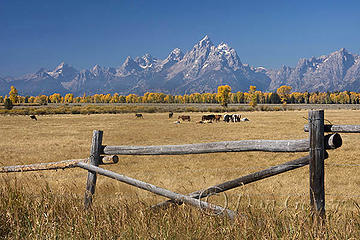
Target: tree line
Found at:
x=223, y=96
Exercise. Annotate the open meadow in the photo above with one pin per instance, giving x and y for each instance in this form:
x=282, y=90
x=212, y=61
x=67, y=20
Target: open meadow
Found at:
x=49, y=204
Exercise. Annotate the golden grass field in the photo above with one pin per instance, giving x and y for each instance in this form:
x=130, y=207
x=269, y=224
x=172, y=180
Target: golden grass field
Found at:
x=62, y=137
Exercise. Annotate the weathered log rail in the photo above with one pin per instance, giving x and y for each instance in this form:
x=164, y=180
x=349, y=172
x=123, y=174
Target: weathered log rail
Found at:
x=104, y=160
x=338, y=128
x=331, y=141
x=301, y=145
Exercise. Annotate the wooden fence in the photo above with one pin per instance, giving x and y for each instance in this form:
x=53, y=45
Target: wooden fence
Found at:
x=316, y=146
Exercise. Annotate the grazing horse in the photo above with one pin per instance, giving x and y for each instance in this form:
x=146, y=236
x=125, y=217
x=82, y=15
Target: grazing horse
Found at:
x=33, y=117
x=227, y=118
x=236, y=117
x=217, y=118
x=184, y=118
x=171, y=114
x=138, y=115
x=210, y=117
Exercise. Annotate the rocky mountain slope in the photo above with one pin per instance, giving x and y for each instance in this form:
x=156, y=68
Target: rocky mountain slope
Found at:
x=202, y=69
x=338, y=71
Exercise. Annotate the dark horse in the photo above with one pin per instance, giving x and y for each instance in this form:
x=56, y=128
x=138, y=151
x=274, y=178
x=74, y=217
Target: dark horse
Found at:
x=184, y=118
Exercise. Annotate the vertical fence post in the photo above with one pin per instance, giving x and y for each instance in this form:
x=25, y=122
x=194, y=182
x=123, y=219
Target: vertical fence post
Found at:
x=94, y=160
x=316, y=163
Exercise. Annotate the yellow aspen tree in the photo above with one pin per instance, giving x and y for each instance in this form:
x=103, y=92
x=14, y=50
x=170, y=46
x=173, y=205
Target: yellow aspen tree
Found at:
x=55, y=98
x=115, y=98
x=31, y=99
x=284, y=93
x=223, y=95
x=167, y=99
x=13, y=94
x=145, y=97
x=253, y=97
x=107, y=98
x=41, y=99
x=260, y=96
x=69, y=98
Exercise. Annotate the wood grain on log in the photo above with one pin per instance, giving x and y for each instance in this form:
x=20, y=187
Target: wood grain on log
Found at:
x=227, y=146
x=316, y=162
x=301, y=145
x=159, y=191
x=338, y=128
x=94, y=160
x=104, y=160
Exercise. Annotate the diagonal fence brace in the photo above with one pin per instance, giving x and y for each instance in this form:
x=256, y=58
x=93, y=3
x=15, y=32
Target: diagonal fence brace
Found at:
x=253, y=177
x=159, y=191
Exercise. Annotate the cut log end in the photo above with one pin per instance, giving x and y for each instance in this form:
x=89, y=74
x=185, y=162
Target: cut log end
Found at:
x=333, y=141
x=109, y=159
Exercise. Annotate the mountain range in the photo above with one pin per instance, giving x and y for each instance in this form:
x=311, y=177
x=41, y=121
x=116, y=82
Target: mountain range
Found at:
x=202, y=69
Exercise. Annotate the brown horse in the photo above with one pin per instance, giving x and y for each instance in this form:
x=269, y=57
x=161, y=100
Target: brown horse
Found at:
x=184, y=118
x=210, y=117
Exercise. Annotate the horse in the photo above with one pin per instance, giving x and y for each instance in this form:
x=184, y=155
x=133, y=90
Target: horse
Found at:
x=227, y=118
x=236, y=117
x=184, y=118
x=217, y=118
x=210, y=117
x=33, y=117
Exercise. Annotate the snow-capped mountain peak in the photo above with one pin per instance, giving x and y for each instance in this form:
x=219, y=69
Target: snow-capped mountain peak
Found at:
x=223, y=46
x=336, y=71
x=174, y=57
x=176, y=54
x=129, y=66
x=201, y=69
x=63, y=71
x=146, y=61
x=205, y=42
x=96, y=70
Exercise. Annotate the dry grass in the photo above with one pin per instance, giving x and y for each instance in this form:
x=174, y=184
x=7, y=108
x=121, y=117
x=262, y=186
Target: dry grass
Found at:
x=120, y=211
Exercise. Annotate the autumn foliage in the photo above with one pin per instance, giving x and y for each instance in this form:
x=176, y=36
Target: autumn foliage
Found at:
x=223, y=96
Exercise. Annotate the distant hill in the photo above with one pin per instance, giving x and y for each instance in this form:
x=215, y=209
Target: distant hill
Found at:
x=202, y=69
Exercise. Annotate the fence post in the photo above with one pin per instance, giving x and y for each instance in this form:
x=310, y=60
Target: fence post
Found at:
x=94, y=160
x=316, y=163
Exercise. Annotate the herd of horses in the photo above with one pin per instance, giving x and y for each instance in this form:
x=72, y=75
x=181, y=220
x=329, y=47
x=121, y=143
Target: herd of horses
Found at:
x=209, y=118
x=204, y=119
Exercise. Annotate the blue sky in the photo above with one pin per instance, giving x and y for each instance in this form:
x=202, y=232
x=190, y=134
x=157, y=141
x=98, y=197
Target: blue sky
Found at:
x=35, y=34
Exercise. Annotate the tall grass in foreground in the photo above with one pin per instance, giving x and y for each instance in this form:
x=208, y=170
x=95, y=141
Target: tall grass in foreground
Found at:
x=47, y=215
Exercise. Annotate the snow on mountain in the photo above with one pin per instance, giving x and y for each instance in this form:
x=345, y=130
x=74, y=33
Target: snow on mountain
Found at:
x=337, y=71
x=175, y=56
x=63, y=72
x=37, y=83
x=201, y=69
